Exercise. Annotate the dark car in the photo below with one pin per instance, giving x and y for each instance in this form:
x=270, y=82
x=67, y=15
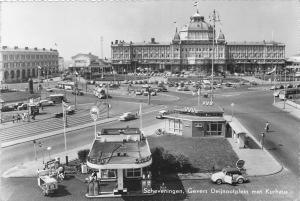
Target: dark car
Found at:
x=78, y=93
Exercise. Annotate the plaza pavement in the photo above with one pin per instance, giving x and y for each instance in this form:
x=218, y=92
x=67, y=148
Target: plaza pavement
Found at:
x=258, y=162
x=289, y=108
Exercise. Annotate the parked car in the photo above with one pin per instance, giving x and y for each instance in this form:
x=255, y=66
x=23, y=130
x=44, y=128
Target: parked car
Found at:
x=276, y=93
x=127, y=116
x=78, y=92
x=46, y=103
x=24, y=106
x=161, y=114
x=153, y=93
x=146, y=93
x=16, y=105
x=7, y=108
x=229, y=175
x=138, y=93
x=49, y=89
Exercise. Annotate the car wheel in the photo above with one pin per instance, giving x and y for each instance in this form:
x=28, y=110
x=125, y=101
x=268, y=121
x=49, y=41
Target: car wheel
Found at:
x=240, y=181
x=219, y=181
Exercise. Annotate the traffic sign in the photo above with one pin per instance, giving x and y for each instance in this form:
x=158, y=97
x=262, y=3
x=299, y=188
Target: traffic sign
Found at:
x=94, y=112
x=240, y=164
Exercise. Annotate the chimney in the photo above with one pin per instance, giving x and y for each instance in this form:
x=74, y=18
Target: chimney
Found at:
x=35, y=48
x=44, y=49
x=116, y=41
x=4, y=47
x=152, y=40
x=112, y=42
x=26, y=48
x=16, y=47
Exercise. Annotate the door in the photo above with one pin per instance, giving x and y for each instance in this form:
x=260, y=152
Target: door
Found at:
x=228, y=179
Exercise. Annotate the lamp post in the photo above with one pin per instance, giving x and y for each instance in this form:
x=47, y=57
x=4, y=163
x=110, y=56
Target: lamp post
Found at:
x=49, y=151
x=232, y=105
x=284, y=89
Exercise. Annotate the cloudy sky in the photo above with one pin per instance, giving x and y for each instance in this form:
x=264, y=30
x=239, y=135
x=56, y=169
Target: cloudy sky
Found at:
x=76, y=27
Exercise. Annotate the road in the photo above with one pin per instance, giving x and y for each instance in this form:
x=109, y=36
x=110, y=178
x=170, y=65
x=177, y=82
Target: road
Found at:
x=20, y=153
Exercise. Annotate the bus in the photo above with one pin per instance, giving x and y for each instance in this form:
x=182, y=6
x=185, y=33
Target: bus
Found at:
x=57, y=98
x=291, y=93
x=66, y=85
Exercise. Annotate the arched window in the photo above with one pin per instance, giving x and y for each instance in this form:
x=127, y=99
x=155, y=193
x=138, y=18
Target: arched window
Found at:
x=12, y=74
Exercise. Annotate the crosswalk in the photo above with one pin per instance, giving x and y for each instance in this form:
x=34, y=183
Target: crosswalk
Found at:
x=53, y=124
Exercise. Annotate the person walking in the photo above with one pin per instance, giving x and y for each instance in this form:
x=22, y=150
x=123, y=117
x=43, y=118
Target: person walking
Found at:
x=267, y=128
x=13, y=118
x=18, y=118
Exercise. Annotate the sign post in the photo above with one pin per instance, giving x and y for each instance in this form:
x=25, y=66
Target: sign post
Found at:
x=94, y=112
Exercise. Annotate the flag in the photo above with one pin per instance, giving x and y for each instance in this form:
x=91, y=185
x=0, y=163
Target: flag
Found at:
x=39, y=67
x=272, y=71
x=196, y=3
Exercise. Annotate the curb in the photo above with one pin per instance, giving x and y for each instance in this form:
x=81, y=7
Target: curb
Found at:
x=265, y=150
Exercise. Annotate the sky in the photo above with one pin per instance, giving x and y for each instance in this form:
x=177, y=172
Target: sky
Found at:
x=77, y=27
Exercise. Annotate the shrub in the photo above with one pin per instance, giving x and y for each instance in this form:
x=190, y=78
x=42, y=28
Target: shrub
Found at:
x=165, y=162
x=83, y=154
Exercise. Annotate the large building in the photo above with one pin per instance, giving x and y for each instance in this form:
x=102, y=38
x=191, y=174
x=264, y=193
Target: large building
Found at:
x=89, y=64
x=20, y=64
x=192, y=49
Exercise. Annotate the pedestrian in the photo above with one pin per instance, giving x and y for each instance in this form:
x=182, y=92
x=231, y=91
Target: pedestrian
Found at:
x=267, y=128
x=18, y=118
x=13, y=118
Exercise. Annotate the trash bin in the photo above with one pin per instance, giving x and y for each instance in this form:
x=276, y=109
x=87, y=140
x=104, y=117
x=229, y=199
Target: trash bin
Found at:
x=84, y=169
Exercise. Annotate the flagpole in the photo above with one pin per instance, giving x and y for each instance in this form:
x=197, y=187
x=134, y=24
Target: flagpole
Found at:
x=198, y=97
x=141, y=117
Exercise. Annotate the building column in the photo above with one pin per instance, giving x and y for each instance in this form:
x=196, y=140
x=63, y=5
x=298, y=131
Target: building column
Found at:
x=120, y=179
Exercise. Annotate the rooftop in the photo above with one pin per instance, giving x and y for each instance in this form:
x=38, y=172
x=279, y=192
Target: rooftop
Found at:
x=205, y=107
x=118, y=131
x=130, y=152
x=35, y=49
x=194, y=117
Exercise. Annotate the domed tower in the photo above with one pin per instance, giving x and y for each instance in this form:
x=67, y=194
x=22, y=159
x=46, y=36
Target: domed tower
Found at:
x=197, y=29
x=221, y=37
x=176, y=38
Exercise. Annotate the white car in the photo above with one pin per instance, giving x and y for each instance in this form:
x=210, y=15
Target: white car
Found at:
x=46, y=103
x=230, y=176
x=276, y=93
x=127, y=116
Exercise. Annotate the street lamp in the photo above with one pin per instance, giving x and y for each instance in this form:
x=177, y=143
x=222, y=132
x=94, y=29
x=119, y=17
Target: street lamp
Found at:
x=49, y=151
x=232, y=105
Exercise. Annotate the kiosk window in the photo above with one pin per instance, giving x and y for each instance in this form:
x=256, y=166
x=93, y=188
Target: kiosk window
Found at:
x=133, y=173
x=214, y=129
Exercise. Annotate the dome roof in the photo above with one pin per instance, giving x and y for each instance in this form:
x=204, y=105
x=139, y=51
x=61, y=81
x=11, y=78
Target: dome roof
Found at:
x=197, y=23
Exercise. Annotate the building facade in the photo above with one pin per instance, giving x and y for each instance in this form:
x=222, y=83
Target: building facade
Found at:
x=195, y=47
x=20, y=64
x=205, y=120
x=89, y=64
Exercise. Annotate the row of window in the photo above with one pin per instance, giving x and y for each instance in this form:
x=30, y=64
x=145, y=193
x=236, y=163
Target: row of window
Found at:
x=254, y=48
x=28, y=64
x=257, y=55
x=13, y=57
